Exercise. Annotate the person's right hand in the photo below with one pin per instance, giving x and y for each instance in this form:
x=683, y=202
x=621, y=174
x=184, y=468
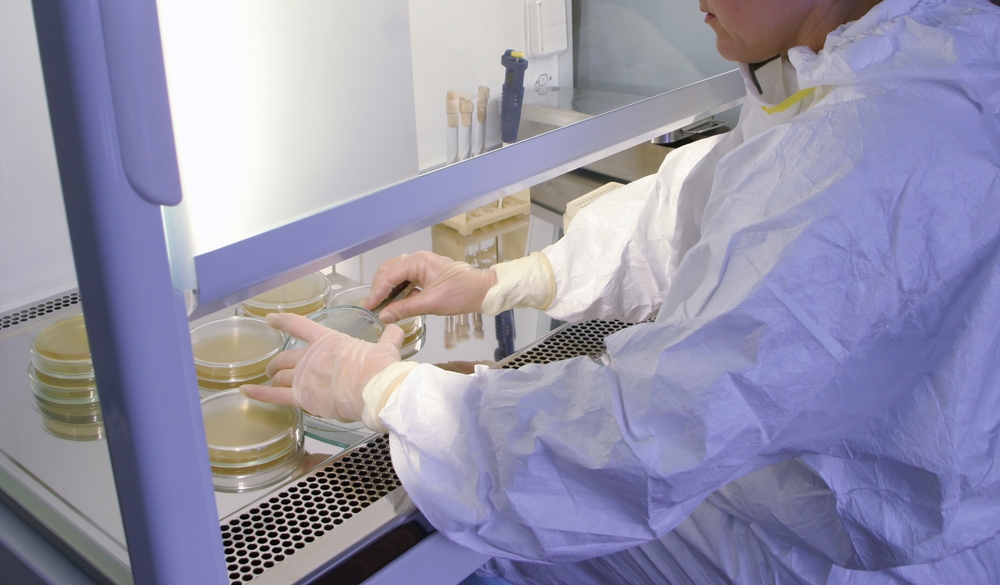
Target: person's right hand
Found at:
x=445, y=287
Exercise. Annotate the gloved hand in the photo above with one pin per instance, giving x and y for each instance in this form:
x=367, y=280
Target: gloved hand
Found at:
x=455, y=288
x=445, y=287
x=327, y=378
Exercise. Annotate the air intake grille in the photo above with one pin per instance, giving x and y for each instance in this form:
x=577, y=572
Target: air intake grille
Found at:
x=275, y=529
x=38, y=310
x=568, y=342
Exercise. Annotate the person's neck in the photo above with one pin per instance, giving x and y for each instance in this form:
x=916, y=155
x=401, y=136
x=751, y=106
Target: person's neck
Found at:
x=826, y=18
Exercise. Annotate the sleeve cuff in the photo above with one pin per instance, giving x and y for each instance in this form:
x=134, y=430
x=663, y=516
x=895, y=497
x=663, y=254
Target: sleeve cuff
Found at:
x=378, y=390
x=524, y=283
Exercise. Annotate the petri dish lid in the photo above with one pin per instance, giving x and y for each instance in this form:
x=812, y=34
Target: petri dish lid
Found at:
x=356, y=296
x=234, y=347
x=63, y=348
x=305, y=291
x=354, y=321
x=244, y=432
x=351, y=296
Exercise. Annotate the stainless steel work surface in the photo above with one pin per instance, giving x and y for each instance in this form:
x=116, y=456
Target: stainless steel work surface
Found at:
x=68, y=485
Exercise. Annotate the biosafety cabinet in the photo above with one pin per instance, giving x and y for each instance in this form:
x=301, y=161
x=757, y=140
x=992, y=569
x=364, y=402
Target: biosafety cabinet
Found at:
x=202, y=152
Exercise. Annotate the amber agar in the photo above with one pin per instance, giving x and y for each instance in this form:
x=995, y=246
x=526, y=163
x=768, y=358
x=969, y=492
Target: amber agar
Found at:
x=72, y=390
x=63, y=348
x=250, y=443
x=233, y=351
x=303, y=297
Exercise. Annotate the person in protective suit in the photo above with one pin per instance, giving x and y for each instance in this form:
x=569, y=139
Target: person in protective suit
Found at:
x=818, y=397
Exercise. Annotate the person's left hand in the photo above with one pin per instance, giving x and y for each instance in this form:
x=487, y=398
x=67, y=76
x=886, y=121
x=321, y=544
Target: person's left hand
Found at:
x=326, y=378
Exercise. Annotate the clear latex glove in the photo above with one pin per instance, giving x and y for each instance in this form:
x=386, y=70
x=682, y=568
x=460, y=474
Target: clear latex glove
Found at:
x=446, y=287
x=327, y=378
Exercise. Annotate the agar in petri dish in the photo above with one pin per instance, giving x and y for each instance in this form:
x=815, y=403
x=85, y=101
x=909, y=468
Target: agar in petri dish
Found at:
x=251, y=444
x=234, y=351
x=63, y=348
x=304, y=296
x=76, y=390
x=77, y=420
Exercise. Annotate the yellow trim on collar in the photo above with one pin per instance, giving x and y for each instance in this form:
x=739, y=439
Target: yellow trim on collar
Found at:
x=791, y=101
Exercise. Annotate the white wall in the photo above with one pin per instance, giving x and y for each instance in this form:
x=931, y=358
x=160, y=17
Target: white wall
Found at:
x=35, y=255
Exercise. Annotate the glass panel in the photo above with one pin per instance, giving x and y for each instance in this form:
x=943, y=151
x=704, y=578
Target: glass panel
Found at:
x=641, y=48
x=65, y=484
x=623, y=51
x=284, y=109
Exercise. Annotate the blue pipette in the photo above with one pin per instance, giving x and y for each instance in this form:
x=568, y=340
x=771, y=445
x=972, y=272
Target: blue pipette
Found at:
x=512, y=94
x=511, y=100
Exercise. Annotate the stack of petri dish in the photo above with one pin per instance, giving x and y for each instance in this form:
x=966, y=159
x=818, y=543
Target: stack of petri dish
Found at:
x=414, y=327
x=251, y=444
x=62, y=380
x=304, y=296
x=233, y=351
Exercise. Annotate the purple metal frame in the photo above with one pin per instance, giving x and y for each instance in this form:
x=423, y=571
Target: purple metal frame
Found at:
x=104, y=81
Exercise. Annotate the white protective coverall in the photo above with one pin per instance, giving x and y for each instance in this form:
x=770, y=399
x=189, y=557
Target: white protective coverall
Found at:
x=818, y=399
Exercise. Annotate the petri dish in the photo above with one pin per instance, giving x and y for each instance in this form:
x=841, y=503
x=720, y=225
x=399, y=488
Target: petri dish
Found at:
x=217, y=385
x=354, y=321
x=63, y=349
x=73, y=431
x=233, y=351
x=76, y=390
x=304, y=296
x=70, y=419
x=414, y=327
x=251, y=444
x=65, y=380
x=68, y=412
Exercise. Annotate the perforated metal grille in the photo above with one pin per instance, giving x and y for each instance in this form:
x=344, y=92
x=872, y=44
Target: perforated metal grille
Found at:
x=290, y=520
x=38, y=310
x=568, y=342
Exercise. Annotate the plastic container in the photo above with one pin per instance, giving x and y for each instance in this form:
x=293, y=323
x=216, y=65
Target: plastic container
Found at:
x=62, y=349
x=251, y=444
x=234, y=351
x=354, y=321
x=304, y=296
x=413, y=327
